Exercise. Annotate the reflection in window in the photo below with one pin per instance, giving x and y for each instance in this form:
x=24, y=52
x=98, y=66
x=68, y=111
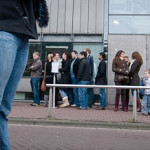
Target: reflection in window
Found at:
x=129, y=24
x=129, y=6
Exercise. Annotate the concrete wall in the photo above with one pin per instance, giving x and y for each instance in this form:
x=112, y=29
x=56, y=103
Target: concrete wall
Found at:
x=129, y=44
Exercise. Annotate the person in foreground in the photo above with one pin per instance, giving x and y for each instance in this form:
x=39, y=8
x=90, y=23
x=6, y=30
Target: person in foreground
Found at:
x=17, y=25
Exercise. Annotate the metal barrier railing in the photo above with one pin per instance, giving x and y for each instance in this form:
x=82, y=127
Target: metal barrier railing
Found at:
x=95, y=86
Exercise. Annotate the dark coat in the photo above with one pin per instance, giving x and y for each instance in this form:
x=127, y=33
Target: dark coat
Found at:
x=49, y=74
x=91, y=62
x=18, y=17
x=76, y=67
x=101, y=74
x=120, y=68
x=65, y=72
x=84, y=70
x=133, y=74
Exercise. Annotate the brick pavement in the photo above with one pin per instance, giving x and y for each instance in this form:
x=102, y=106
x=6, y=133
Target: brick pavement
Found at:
x=61, y=138
x=24, y=110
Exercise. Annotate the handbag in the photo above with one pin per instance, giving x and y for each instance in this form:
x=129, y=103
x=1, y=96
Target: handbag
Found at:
x=43, y=86
x=122, y=78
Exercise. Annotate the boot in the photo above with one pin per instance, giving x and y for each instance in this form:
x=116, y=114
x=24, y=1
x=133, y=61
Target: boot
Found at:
x=138, y=105
x=45, y=100
x=65, y=102
x=124, y=105
x=116, y=105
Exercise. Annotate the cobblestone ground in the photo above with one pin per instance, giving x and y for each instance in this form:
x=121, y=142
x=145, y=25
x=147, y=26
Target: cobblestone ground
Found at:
x=62, y=138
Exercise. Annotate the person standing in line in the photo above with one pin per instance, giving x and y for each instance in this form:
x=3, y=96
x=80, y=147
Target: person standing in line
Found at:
x=101, y=80
x=90, y=90
x=36, y=72
x=146, y=96
x=134, y=69
x=74, y=72
x=17, y=26
x=83, y=78
x=126, y=58
x=48, y=77
x=120, y=68
x=65, y=79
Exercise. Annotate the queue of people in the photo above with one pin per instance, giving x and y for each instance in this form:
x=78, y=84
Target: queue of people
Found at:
x=73, y=70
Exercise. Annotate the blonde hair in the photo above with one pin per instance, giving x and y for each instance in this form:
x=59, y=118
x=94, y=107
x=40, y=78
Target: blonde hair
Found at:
x=49, y=57
x=37, y=53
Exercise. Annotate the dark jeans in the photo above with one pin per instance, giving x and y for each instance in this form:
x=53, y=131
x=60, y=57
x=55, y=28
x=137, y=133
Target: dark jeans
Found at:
x=121, y=92
x=35, y=89
x=90, y=93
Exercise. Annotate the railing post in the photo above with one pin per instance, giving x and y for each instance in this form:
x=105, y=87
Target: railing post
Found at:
x=50, y=102
x=54, y=82
x=134, y=105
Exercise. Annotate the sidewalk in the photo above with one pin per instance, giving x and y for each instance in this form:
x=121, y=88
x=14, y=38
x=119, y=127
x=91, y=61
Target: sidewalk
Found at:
x=25, y=111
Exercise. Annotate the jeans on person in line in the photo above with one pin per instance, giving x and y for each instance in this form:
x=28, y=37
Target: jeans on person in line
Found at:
x=103, y=97
x=146, y=102
x=35, y=89
x=83, y=97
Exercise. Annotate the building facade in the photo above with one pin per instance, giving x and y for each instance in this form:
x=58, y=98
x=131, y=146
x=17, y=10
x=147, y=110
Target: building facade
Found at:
x=101, y=25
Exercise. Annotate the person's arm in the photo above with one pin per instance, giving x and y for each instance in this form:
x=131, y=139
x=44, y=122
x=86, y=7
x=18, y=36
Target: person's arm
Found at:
x=101, y=69
x=81, y=67
x=134, y=67
x=36, y=66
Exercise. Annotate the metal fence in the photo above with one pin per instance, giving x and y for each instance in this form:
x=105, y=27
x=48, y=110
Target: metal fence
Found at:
x=53, y=86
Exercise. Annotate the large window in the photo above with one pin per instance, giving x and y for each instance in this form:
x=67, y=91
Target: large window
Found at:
x=129, y=6
x=129, y=16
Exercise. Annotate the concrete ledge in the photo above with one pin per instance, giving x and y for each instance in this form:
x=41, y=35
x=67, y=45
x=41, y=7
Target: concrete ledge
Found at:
x=73, y=123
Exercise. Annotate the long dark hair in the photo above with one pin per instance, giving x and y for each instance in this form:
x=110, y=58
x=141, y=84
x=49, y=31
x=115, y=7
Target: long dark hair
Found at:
x=137, y=56
x=117, y=57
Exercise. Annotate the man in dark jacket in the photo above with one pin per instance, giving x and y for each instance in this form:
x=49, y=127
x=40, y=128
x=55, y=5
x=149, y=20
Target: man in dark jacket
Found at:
x=90, y=90
x=36, y=72
x=74, y=72
x=17, y=25
x=83, y=78
x=101, y=79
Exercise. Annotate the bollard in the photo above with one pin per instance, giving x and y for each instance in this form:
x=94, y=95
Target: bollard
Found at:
x=50, y=102
x=134, y=105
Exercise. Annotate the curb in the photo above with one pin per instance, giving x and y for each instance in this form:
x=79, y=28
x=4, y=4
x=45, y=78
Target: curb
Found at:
x=74, y=123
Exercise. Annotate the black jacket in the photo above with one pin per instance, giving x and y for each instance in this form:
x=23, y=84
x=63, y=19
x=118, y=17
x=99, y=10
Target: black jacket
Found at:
x=101, y=74
x=76, y=67
x=133, y=73
x=18, y=16
x=65, y=72
x=84, y=70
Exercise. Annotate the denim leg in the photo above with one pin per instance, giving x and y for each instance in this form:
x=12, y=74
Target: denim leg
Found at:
x=148, y=103
x=90, y=95
x=144, y=103
x=16, y=48
x=70, y=95
x=75, y=92
x=83, y=97
x=103, y=97
x=35, y=84
x=63, y=93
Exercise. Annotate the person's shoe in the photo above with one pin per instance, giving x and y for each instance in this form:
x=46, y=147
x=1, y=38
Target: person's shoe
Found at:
x=65, y=102
x=73, y=105
x=34, y=104
x=116, y=109
x=100, y=108
x=144, y=114
x=125, y=109
x=138, y=110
